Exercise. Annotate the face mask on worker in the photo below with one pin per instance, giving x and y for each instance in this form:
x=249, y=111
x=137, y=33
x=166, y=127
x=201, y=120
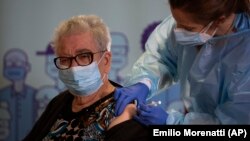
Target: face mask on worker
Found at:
x=188, y=38
x=82, y=80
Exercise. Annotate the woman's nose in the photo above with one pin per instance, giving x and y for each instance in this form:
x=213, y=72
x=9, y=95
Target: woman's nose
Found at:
x=74, y=63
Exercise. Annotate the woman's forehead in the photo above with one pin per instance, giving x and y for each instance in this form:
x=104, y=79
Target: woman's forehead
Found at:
x=184, y=19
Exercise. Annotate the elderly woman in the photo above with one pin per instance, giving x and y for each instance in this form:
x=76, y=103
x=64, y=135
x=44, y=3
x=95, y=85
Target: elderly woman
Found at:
x=86, y=110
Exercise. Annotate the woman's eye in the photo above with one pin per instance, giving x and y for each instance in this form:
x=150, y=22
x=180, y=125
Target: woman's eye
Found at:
x=83, y=56
x=64, y=61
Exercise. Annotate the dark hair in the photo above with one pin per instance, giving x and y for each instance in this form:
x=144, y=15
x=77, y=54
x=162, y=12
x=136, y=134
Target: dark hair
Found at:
x=208, y=10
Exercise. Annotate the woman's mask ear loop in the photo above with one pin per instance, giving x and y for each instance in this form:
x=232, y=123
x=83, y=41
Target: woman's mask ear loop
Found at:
x=104, y=75
x=209, y=25
x=101, y=58
x=214, y=31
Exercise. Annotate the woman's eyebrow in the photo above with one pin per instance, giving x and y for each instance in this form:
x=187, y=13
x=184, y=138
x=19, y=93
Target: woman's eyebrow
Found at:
x=185, y=26
x=82, y=50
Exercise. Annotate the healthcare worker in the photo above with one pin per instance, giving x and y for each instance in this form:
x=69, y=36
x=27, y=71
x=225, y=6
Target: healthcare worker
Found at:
x=205, y=46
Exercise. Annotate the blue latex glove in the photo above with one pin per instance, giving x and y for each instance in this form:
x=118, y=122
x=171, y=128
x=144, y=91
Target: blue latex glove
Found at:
x=123, y=96
x=151, y=115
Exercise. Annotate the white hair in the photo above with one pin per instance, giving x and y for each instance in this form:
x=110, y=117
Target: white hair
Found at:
x=82, y=24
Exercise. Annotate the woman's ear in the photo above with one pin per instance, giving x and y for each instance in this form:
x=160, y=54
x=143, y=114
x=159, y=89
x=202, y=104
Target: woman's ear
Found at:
x=107, y=61
x=220, y=20
x=224, y=24
x=108, y=56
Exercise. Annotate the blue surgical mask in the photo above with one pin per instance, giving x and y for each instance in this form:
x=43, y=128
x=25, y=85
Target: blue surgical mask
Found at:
x=82, y=80
x=15, y=73
x=188, y=38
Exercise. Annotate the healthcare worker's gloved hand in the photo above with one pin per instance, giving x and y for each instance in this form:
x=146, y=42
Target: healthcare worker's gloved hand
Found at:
x=151, y=115
x=123, y=96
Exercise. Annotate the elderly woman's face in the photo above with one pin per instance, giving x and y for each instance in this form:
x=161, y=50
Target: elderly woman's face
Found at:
x=75, y=44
